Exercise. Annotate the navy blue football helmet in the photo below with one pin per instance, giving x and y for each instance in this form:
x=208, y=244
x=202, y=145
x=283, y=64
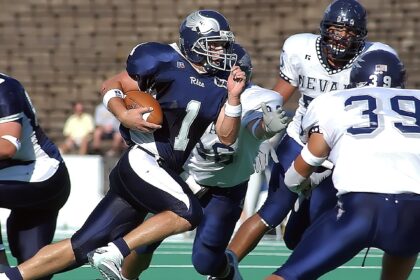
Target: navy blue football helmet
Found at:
x=341, y=15
x=243, y=60
x=200, y=32
x=377, y=68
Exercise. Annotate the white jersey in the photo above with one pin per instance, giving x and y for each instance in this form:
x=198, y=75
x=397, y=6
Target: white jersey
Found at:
x=302, y=65
x=374, y=136
x=214, y=164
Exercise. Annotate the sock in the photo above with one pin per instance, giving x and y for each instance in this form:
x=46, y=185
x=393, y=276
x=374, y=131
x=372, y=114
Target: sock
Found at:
x=122, y=246
x=14, y=274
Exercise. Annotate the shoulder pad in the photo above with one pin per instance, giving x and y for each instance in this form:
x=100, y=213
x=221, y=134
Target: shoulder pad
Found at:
x=146, y=58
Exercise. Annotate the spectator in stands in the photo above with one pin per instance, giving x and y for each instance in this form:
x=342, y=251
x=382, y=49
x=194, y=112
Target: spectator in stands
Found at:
x=106, y=128
x=77, y=130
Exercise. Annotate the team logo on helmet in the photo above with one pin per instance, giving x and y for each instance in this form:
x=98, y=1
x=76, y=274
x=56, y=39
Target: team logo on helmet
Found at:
x=204, y=25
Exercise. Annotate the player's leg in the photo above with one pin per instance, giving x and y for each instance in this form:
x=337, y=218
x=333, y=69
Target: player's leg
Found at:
x=296, y=225
x=399, y=230
x=280, y=201
x=149, y=184
x=397, y=268
x=29, y=230
x=138, y=261
x=32, y=221
x=333, y=239
x=323, y=198
x=221, y=214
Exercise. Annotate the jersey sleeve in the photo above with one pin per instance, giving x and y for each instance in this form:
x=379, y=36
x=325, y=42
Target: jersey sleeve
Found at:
x=288, y=60
x=11, y=102
x=313, y=118
x=323, y=116
x=145, y=60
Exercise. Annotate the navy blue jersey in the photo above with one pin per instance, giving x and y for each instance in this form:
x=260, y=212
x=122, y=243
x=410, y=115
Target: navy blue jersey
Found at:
x=16, y=106
x=190, y=101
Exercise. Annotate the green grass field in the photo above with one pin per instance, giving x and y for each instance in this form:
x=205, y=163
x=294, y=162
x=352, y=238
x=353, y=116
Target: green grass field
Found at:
x=173, y=261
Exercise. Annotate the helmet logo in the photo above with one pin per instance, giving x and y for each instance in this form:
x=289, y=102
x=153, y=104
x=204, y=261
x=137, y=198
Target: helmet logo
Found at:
x=204, y=25
x=344, y=19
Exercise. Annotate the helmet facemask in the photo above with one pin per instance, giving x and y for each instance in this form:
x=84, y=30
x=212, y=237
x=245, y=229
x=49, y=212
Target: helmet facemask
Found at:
x=341, y=42
x=216, y=51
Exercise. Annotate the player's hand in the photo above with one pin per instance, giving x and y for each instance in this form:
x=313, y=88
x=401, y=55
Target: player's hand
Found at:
x=265, y=152
x=236, y=83
x=274, y=121
x=317, y=177
x=133, y=119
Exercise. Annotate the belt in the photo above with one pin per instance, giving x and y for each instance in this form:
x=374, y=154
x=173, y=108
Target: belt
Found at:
x=158, y=158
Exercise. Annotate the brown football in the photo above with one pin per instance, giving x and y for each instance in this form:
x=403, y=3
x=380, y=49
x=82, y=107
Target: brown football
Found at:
x=135, y=99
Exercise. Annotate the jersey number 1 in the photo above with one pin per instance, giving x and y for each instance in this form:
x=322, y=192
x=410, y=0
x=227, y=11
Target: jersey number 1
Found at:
x=181, y=141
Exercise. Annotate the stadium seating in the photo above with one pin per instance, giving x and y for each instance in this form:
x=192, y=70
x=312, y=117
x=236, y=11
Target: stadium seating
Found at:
x=62, y=50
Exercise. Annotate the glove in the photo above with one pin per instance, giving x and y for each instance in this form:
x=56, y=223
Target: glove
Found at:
x=305, y=190
x=275, y=121
x=265, y=151
x=317, y=177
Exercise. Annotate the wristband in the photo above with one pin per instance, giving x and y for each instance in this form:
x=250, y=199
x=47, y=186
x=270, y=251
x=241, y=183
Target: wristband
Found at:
x=12, y=139
x=309, y=158
x=110, y=94
x=233, y=111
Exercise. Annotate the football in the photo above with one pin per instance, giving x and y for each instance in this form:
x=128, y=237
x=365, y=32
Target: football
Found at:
x=135, y=99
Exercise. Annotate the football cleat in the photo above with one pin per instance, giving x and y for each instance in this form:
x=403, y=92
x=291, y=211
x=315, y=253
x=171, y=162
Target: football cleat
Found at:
x=108, y=260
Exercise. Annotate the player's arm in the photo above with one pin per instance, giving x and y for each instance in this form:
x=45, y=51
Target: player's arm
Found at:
x=284, y=88
x=113, y=91
x=10, y=133
x=312, y=155
x=229, y=119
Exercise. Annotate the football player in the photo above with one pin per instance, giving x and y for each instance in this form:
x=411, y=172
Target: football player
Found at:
x=380, y=206
x=219, y=177
x=146, y=178
x=313, y=64
x=34, y=181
